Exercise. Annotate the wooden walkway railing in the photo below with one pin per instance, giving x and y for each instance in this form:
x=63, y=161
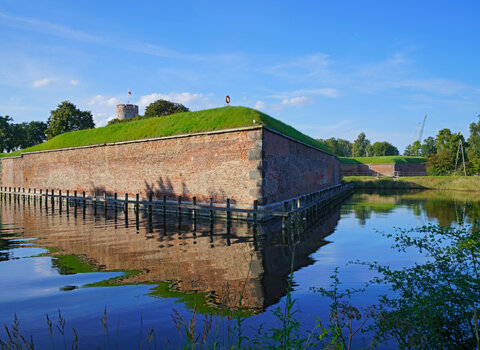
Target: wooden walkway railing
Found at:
x=308, y=204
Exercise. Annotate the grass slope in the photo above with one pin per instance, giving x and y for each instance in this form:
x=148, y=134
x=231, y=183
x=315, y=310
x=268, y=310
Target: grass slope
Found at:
x=175, y=124
x=382, y=160
x=455, y=183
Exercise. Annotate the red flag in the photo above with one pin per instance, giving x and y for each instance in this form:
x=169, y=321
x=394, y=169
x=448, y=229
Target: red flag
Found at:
x=129, y=92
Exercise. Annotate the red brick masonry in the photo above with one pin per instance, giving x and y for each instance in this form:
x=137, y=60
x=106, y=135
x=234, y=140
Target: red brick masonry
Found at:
x=244, y=164
x=410, y=169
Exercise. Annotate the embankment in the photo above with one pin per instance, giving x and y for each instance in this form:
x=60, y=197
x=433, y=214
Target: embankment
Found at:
x=451, y=183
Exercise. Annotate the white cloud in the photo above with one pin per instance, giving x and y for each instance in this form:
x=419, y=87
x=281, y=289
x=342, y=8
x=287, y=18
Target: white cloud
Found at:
x=74, y=82
x=185, y=98
x=101, y=100
x=42, y=82
x=297, y=101
x=259, y=105
x=328, y=92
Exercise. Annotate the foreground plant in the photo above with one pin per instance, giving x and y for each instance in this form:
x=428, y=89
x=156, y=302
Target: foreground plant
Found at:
x=435, y=304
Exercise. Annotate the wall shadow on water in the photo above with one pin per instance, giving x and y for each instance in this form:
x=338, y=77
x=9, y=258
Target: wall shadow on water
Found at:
x=206, y=264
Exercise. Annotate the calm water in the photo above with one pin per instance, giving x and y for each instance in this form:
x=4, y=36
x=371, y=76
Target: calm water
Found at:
x=81, y=262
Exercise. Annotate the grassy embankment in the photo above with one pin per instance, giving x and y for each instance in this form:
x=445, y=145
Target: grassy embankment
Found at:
x=455, y=183
x=382, y=160
x=175, y=124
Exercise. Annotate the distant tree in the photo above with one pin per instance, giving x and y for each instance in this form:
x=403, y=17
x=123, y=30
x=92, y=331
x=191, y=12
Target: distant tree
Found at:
x=29, y=134
x=163, y=107
x=446, y=140
x=473, y=149
x=5, y=134
x=474, y=166
x=413, y=149
x=360, y=146
x=383, y=148
x=442, y=163
x=67, y=117
x=340, y=147
x=428, y=147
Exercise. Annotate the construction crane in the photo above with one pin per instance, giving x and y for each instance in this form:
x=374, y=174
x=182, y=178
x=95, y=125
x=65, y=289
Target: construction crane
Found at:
x=421, y=130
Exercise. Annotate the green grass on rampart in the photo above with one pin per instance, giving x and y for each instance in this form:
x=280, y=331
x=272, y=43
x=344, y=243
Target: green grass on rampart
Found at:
x=175, y=124
x=451, y=183
x=382, y=160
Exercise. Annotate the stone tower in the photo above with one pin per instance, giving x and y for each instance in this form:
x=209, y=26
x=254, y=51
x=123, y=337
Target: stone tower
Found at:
x=126, y=111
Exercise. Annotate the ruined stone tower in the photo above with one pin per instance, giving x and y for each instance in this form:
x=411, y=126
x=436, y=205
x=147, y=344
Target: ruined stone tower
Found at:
x=126, y=111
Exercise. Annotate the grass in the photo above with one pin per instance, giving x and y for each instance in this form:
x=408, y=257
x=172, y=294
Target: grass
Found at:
x=175, y=124
x=455, y=183
x=382, y=160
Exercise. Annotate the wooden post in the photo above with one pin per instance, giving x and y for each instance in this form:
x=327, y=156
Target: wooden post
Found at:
x=211, y=209
x=179, y=203
x=150, y=195
x=115, y=200
x=137, y=205
x=228, y=211
x=194, y=209
x=126, y=202
x=255, y=212
x=164, y=206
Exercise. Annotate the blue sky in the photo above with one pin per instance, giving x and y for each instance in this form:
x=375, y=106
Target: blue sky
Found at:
x=329, y=68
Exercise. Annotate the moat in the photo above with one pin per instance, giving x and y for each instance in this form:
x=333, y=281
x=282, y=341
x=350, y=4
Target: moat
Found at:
x=142, y=268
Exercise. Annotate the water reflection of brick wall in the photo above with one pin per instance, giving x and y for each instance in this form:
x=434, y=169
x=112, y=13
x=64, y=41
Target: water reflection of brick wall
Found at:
x=220, y=265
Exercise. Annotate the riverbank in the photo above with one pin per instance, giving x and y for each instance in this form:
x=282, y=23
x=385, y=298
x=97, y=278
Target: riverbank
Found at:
x=451, y=183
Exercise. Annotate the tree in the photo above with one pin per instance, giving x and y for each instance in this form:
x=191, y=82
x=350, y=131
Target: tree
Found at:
x=5, y=134
x=163, y=107
x=442, y=163
x=360, y=146
x=29, y=134
x=446, y=140
x=413, y=149
x=428, y=147
x=473, y=149
x=339, y=147
x=67, y=117
x=384, y=149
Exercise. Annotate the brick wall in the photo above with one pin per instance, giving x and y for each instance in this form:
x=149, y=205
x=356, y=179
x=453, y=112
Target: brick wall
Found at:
x=291, y=168
x=245, y=164
x=410, y=169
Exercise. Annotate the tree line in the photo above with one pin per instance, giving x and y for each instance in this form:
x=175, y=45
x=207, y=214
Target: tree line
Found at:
x=66, y=117
x=361, y=147
x=447, y=151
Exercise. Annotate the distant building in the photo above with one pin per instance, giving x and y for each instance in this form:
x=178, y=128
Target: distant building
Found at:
x=126, y=111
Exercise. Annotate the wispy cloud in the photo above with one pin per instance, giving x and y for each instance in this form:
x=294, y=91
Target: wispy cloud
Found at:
x=62, y=31
x=74, y=82
x=185, y=98
x=100, y=100
x=42, y=82
x=296, y=101
x=260, y=105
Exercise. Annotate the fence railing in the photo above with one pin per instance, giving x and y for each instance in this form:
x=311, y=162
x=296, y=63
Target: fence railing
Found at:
x=310, y=202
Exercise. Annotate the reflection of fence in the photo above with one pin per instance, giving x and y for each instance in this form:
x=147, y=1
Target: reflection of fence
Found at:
x=312, y=201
